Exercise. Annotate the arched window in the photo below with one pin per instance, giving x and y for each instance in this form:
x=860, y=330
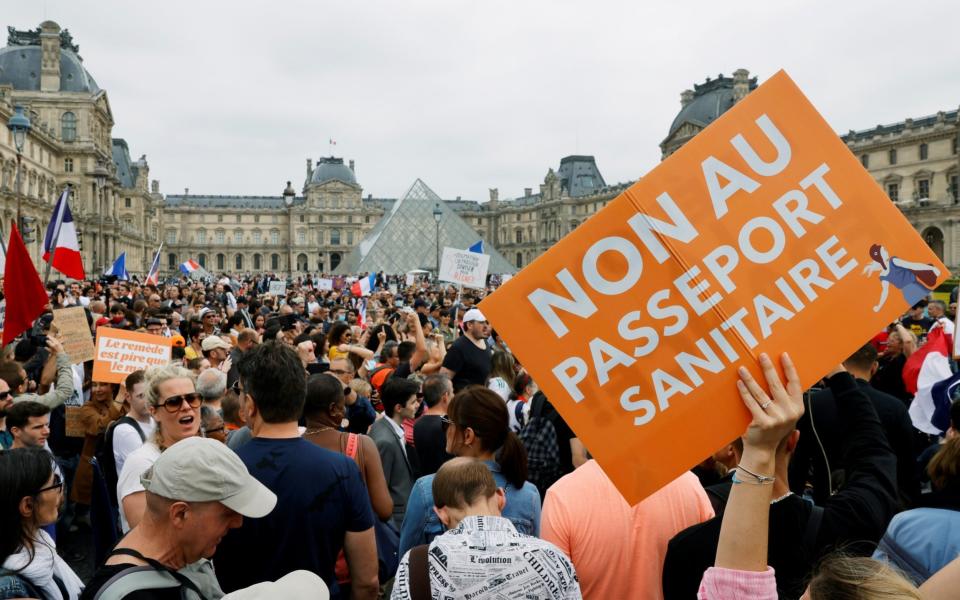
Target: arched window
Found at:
x=519, y=259
x=239, y=262
x=334, y=237
x=334, y=260
x=275, y=262
x=68, y=127
x=171, y=261
x=302, y=262
x=934, y=238
x=256, y=262
x=221, y=261
x=202, y=259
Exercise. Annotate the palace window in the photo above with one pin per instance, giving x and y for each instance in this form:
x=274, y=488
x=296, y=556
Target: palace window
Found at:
x=301, y=236
x=237, y=237
x=68, y=127
x=127, y=203
x=275, y=262
x=219, y=218
x=892, y=155
x=350, y=237
x=239, y=262
x=68, y=165
x=221, y=261
x=275, y=239
x=221, y=239
x=202, y=236
x=256, y=218
x=257, y=238
x=239, y=218
x=924, y=151
x=171, y=236
x=865, y=160
x=335, y=237
x=893, y=191
x=923, y=188
x=953, y=188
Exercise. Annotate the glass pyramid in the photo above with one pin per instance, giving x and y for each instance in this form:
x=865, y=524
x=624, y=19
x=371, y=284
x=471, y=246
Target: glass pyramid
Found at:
x=405, y=239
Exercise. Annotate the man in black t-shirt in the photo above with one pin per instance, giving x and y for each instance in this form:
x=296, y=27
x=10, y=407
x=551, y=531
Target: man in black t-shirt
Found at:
x=429, y=437
x=916, y=323
x=468, y=360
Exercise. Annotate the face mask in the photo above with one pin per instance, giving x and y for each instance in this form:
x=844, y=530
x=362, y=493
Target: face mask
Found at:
x=341, y=317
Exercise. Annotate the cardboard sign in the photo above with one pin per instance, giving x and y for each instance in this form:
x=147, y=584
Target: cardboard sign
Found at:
x=278, y=288
x=393, y=289
x=463, y=267
x=762, y=234
x=75, y=333
x=325, y=285
x=410, y=279
x=119, y=352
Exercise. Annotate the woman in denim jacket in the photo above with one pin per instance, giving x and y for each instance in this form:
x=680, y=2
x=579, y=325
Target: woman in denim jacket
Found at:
x=477, y=426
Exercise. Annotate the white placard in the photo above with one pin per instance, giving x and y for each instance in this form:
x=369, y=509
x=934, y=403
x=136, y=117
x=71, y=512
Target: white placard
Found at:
x=393, y=288
x=465, y=268
x=325, y=284
x=411, y=279
x=278, y=288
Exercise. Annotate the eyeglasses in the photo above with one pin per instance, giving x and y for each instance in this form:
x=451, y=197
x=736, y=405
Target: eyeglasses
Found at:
x=214, y=430
x=341, y=372
x=173, y=403
x=4, y=395
x=57, y=485
x=235, y=388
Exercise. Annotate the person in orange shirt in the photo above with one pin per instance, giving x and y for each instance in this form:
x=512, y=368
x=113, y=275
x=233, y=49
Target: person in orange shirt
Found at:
x=586, y=517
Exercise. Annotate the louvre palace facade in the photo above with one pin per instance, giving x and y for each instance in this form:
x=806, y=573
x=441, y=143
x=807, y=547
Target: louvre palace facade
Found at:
x=311, y=226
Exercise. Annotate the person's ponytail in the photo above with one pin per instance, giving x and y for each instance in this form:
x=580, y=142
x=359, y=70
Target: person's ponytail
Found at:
x=512, y=458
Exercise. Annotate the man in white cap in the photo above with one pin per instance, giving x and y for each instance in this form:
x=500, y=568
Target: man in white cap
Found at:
x=215, y=350
x=196, y=491
x=468, y=360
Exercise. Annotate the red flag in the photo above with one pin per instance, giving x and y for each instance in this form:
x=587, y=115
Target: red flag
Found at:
x=22, y=289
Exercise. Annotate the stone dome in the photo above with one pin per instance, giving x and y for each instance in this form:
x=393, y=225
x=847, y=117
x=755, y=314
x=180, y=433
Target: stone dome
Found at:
x=332, y=169
x=20, y=67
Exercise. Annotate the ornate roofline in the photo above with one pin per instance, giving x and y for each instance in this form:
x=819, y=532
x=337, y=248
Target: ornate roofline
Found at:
x=31, y=37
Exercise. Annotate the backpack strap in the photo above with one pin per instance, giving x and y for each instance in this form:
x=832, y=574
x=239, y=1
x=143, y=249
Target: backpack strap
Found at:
x=419, y=573
x=156, y=567
x=354, y=450
x=812, y=530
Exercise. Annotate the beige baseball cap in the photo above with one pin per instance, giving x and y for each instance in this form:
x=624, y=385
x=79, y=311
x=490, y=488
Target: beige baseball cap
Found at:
x=296, y=585
x=205, y=470
x=214, y=341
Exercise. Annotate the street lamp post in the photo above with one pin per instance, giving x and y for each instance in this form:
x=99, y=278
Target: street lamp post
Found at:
x=288, y=196
x=19, y=126
x=437, y=215
x=100, y=178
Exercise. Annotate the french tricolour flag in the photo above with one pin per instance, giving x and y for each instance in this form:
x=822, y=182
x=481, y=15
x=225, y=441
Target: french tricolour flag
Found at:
x=61, y=240
x=364, y=285
x=189, y=267
x=154, y=275
x=927, y=375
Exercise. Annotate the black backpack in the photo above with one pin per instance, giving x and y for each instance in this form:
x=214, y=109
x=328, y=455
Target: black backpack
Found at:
x=539, y=437
x=105, y=455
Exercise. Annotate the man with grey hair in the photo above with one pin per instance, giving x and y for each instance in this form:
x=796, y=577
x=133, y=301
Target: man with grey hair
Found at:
x=196, y=492
x=212, y=386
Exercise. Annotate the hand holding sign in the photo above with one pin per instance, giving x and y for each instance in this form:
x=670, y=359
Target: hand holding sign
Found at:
x=744, y=241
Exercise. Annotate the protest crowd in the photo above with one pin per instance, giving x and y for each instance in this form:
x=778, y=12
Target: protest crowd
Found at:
x=348, y=443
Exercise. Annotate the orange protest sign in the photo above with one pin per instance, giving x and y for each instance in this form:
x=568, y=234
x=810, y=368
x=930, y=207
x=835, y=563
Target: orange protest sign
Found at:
x=762, y=234
x=120, y=352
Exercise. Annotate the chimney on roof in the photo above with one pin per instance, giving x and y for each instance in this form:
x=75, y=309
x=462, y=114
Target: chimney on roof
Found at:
x=351, y=166
x=527, y=192
x=155, y=186
x=494, y=196
x=186, y=191
x=458, y=198
x=309, y=168
x=741, y=84
x=686, y=97
x=50, y=57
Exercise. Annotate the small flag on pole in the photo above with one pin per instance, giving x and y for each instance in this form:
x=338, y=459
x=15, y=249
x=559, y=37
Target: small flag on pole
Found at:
x=189, y=267
x=60, y=242
x=119, y=268
x=477, y=248
x=153, y=277
x=363, y=286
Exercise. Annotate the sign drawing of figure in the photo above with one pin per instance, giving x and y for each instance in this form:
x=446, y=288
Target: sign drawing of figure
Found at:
x=914, y=280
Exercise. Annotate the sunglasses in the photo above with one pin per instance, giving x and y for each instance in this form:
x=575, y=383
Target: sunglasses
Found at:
x=214, y=430
x=173, y=403
x=341, y=372
x=4, y=395
x=235, y=388
x=57, y=485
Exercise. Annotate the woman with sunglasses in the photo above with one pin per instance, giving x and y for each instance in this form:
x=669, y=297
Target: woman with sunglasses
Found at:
x=99, y=411
x=30, y=497
x=173, y=401
x=340, y=333
x=477, y=426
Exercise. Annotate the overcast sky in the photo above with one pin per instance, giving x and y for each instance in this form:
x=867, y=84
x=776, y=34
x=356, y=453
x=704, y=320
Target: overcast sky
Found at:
x=232, y=97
